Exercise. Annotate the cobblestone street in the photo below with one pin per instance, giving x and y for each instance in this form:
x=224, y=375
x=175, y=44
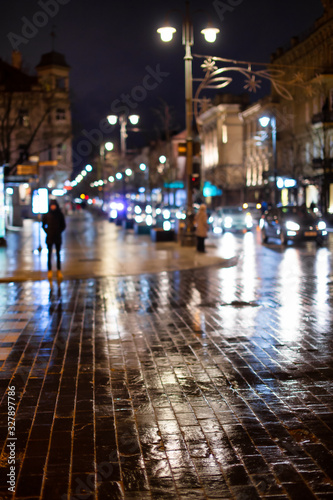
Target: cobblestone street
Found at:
x=214, y=383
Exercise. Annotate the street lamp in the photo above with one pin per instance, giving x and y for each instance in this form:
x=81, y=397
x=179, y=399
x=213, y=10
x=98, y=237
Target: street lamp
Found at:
x=166, y=33
x=264, y=122
x=113, y=119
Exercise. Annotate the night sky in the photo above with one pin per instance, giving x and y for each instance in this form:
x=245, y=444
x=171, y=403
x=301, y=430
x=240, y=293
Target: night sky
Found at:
x=110, y=44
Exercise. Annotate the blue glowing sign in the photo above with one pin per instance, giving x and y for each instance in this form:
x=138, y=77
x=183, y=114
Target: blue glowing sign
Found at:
x=210, y=190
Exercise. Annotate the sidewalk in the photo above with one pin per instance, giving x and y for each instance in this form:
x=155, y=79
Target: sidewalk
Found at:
x=212, y=383
x=119, y=253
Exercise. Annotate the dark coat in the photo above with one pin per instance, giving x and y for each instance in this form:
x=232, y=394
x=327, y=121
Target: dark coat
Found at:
x=53, y=224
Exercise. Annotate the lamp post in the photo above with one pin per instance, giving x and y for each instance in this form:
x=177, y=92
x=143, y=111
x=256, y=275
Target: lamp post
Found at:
x=264, y=122
x=166, y=32
x=134, y=120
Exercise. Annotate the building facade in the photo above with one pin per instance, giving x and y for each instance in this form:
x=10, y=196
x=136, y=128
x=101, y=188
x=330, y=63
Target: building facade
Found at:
x=222, y=156
x=298, y=167
x=54, y=142
x=35, y=119
x=290, y=159
x=36, y=130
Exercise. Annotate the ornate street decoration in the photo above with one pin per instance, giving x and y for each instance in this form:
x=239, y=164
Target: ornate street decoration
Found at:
x=252, y=84
x=217, y=77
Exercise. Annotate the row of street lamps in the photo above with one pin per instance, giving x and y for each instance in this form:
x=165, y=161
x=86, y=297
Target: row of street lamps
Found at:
x=166, y=32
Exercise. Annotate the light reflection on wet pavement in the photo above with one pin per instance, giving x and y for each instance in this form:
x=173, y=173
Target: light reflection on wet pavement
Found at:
x=205, y=384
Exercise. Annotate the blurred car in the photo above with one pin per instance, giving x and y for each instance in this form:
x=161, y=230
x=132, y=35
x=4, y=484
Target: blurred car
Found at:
x=231, y=219
x=292, y=223
x=254, y=209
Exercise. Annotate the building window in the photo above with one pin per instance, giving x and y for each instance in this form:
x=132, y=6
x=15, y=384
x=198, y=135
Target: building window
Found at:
x=49, y=153
x=60, y=83
x=60, y=114
x=23, y=153
x=224, y=134
x=248, y=176
x=307, y=153
x=23, y=117
x=60, y=151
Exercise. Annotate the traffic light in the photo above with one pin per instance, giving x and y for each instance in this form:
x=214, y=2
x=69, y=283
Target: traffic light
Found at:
x=195, y=181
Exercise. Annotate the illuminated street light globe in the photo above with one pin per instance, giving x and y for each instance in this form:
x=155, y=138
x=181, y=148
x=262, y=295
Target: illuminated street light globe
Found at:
x=119, y=175
x=166, y=33
x=134, y=119
x=264, y=121
x=112, y=119
x=128, y=171
x=210, y=33
x=88, y=168
x=109, y=146
x=142, y=167
x=162, y=159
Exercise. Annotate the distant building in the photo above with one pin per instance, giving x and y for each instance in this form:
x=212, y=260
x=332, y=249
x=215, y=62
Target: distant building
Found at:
x=55, y=138
x=222, y=162
x=35, y=117
x=36, y=125
x=304, y=125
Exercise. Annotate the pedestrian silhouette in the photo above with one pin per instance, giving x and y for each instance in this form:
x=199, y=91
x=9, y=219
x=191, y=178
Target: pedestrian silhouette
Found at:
x=54, y=224
x=202, y=227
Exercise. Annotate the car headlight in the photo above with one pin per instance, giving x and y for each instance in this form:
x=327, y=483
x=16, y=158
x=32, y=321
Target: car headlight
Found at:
x=228, y=222
x=321, y=225
x=248, y=220
x=292, y=226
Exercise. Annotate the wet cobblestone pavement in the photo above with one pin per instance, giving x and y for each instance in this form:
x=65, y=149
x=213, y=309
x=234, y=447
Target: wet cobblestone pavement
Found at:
x=196, y=385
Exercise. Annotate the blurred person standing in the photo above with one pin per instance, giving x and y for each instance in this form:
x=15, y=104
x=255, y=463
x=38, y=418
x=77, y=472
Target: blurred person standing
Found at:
x=201, y=223
x=54, y=224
